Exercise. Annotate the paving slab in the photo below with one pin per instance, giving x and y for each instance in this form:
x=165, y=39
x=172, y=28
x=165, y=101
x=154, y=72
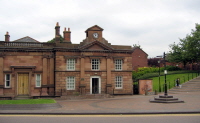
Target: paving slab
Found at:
x=129, y=104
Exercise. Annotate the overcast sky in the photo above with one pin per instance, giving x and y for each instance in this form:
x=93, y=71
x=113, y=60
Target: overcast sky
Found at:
x=153, y=24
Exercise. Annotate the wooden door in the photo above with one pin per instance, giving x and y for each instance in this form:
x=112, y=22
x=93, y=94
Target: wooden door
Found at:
x=23, y=80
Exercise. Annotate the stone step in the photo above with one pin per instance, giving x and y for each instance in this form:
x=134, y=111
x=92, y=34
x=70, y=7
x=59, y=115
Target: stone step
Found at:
x=22, y=97
x=184, y=90
x=193, y=84
x=165, y=99
x=196, y=88
x=87, y=96
x=190, y=86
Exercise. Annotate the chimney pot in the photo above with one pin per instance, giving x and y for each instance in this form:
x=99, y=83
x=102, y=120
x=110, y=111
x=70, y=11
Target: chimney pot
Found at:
x=7, y=37
x=57, y=24
x=67, y=35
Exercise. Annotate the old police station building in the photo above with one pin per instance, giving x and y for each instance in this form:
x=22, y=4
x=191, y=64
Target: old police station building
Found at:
x=32, y=68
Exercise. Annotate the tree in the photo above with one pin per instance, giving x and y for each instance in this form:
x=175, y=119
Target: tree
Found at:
x=188, y=49
x=137, y=45
x=53, y=40
x=153, y=62
x=176, y=54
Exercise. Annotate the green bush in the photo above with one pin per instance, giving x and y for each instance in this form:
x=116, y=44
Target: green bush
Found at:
x=172, y=68
x=141, y=73
x=144, y=70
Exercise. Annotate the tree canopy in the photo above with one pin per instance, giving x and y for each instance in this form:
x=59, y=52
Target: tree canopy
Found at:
x=53, y=40
x=188, y=49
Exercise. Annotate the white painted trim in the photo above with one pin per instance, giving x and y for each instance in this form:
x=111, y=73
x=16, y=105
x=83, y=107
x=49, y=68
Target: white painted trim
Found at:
x=99, y=83
x=6, y=80
x=36, y=80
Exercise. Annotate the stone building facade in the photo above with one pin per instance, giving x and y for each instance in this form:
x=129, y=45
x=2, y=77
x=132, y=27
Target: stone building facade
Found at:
x=32, y=68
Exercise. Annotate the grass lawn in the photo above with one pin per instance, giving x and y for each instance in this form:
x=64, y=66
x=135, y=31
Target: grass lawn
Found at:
x=171, y=80
x=28, y=101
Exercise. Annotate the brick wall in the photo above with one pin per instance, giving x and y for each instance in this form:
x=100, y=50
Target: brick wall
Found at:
x=139, y=59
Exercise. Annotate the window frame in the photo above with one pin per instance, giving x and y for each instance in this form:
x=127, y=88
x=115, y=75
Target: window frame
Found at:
x=36, y=80
x=118, y=82
x=70, y=83
x=118, y=64
x=71, y=64
x=6, y=80
x=95, y=64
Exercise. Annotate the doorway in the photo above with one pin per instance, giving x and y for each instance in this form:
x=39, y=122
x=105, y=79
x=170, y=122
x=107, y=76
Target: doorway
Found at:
x=95, y=85
x=23, y=84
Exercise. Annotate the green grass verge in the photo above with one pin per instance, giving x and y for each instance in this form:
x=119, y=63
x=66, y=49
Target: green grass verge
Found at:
x=28, y=101
x=171, y=80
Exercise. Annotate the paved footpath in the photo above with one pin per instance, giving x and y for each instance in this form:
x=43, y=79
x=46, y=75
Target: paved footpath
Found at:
x=134, y=104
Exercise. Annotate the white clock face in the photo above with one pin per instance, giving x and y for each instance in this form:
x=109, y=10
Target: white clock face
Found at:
x=95, y=35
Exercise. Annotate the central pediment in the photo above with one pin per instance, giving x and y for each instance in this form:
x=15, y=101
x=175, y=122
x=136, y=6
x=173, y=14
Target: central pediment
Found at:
x=96, y=45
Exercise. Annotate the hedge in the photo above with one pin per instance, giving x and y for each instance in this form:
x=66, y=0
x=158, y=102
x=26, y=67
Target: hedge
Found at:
x=148, y=72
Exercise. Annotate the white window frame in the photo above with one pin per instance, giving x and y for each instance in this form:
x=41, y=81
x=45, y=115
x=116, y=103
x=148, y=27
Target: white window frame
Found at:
x=71, y=64
x=118, y=82
x=70, y=83
x=38, y=81
x=7, y=80
x=118, y=64
x=95, y=64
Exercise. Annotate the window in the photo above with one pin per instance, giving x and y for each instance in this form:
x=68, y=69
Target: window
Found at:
x=118, y=82
x=118, y=64
x=70, y=64
x=38, y=80
x=95, y=64
x=70, y=83
x=7, y=80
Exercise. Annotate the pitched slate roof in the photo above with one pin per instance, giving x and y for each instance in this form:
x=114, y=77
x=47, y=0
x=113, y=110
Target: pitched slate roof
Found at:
x=26, y=39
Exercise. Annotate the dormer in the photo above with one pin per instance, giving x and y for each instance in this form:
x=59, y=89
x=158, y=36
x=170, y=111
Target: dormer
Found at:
x=94, y=33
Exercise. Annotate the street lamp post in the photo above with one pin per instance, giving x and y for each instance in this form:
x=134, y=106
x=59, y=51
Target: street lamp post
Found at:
x=165, y=72
x=159, y=76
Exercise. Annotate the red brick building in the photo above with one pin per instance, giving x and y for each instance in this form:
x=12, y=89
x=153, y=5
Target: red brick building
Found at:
x=139, y=58
x=32, y=68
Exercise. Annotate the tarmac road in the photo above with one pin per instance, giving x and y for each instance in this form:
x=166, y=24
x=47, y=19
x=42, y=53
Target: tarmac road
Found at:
x=178, y=118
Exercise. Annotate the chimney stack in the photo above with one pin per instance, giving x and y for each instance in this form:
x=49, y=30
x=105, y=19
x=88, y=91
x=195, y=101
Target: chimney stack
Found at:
x=57, y=29
x=67, y=35
x=7, y=37
x=57, y=39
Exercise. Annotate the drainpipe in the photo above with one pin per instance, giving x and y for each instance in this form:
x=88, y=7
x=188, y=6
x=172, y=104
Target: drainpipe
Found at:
x=54, y=53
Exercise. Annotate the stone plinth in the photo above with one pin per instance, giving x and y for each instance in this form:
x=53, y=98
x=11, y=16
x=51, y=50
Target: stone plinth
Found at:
x=166, y=99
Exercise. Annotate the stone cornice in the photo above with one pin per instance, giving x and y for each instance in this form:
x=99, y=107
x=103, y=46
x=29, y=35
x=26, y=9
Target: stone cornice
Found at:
x=26, y=49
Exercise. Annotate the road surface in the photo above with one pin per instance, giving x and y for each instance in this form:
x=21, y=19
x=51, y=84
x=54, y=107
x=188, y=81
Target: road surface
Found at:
x=163, y=118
